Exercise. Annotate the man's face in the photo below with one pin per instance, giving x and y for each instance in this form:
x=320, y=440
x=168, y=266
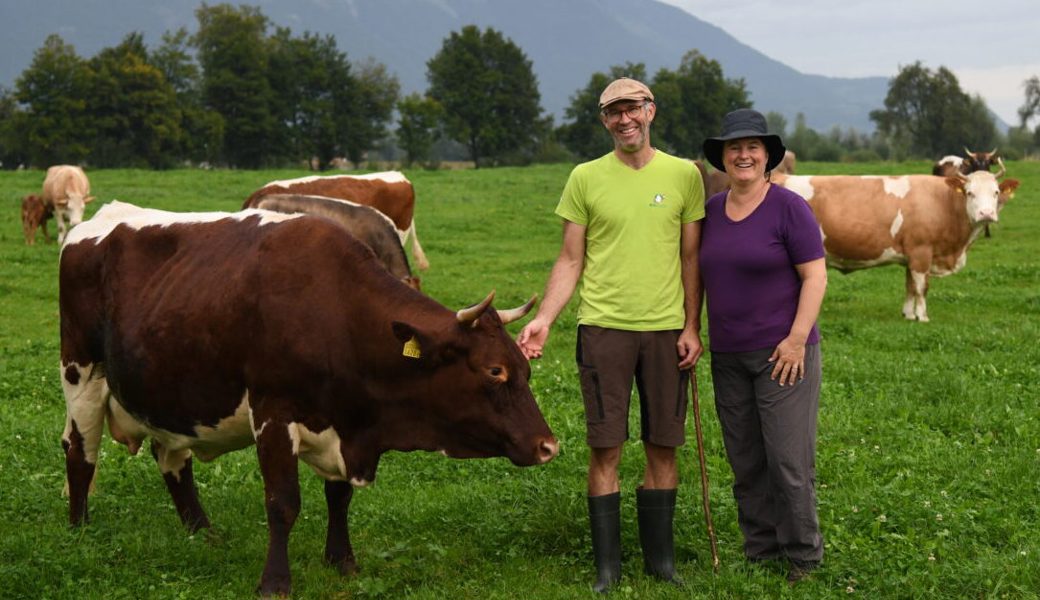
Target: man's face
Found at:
x=628, y=122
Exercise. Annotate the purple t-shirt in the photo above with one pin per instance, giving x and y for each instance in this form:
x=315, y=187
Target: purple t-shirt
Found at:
x=748, y=269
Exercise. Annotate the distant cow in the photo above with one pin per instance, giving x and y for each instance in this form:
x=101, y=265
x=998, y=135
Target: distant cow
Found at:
x=389, y=192
x=66, y=190
x=365, y=223
x=969, y=163
x=35, y=214
x=209, y=332
x=924, y=222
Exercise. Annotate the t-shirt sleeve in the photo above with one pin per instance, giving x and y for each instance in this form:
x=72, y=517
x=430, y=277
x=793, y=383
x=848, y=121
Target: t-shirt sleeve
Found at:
x=572, y=204
x=804, y=241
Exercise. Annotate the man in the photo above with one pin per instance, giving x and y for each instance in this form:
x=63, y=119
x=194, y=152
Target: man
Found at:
x=630, y=234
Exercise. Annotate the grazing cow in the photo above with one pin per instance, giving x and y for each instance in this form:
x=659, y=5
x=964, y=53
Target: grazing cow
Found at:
x=66, y=190
x=924, y=222
x=389, y=192
x=35, y=214
x=365, y=223
x=209, y=332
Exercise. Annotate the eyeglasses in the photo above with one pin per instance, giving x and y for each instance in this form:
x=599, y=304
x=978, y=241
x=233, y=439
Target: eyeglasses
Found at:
x=632, y=111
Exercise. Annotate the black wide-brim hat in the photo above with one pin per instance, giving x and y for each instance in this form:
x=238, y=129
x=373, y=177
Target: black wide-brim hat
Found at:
x=744, y=123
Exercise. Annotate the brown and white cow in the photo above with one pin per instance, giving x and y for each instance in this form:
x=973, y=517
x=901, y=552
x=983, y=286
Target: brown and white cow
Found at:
x=209, y=332
x=389, y=192
x=924, y=222
x=969, y=163
x=35, y=214
x=365, y=223
x=66, y=190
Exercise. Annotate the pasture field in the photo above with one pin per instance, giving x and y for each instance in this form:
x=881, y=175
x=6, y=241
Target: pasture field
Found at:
x=928, y=462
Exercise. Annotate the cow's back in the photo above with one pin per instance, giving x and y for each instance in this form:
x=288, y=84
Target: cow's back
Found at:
x=390, y=193
x=62, y=181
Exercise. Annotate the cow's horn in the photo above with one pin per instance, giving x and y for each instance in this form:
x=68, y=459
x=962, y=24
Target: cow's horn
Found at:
x=513, y=314
x=967, y=152
x=1003, y=169
x=470, y=314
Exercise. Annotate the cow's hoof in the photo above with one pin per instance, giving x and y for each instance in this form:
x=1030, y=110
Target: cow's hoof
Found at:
x=280, y=589
x=346, y=566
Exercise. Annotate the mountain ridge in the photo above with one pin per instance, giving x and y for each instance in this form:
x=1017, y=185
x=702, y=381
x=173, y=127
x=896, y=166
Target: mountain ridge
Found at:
x=566, y=42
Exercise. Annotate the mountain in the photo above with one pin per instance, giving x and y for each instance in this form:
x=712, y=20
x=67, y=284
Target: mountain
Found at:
x=566, y=40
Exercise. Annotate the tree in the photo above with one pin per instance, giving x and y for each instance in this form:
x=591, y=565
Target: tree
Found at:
x=585, y=136
x=929, y=115
x=13, y=126
x=54, y=90
x=377, y=91
x=203, y=128
x=134, y=109
x=232, y=51
x=417, y=127
x=1031, y=107
x=489, y=93
x=777, y=123
x=693, y=100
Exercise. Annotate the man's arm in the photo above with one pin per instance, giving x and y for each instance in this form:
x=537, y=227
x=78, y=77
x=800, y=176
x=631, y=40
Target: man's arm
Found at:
x=689, y=344
x=562, y=281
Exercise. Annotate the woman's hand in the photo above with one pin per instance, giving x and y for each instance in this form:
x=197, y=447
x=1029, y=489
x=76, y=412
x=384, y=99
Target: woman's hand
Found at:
x=789, y=357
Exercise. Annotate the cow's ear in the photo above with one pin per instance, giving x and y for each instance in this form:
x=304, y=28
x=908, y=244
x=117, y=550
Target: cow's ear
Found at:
x=1008, y=186
x=414, y=343
x=88, y=199
x=956, y=183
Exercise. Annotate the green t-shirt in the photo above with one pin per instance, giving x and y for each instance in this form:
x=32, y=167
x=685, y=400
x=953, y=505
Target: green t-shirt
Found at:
x=633, y=218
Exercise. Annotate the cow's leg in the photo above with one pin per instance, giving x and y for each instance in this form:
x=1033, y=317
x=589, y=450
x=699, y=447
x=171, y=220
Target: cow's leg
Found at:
x=60, y=218
x=46, y=236
x=279, y=467
x=176, y=469
x=338, y=551
x=85, y=401
x=916, y=291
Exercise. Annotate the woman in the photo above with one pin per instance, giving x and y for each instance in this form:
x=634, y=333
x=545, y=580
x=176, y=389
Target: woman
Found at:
x=764, y=276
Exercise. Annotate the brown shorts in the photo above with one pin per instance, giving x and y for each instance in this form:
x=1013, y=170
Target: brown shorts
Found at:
x=608, y=360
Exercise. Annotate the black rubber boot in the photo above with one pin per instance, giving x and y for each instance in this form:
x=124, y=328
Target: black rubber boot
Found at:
x=605, y=522
x=656, y=510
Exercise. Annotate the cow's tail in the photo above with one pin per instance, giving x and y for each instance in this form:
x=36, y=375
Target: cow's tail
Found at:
x=417, y=251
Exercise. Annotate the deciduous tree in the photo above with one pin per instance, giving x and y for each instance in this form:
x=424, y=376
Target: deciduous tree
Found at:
x=417, y=127
x=54, y=92
x=489, y=93
x=927, y=114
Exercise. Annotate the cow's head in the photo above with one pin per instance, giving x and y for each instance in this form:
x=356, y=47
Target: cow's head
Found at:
x=73, y=207
x=983, y=195
x=475, y=396
x=978, y=161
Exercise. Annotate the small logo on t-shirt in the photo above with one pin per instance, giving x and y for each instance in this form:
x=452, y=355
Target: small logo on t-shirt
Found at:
x=658, y=201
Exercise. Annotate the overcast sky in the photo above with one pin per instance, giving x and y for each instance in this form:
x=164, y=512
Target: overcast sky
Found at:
x=991, y=46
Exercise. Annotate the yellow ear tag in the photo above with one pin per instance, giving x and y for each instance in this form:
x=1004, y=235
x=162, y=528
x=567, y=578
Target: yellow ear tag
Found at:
x=411, y=348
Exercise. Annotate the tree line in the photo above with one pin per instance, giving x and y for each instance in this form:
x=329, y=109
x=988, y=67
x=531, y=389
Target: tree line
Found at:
x=244, y=93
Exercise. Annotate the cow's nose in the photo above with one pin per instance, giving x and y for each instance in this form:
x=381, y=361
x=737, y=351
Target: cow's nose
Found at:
x=548, y=448
x=988, y=216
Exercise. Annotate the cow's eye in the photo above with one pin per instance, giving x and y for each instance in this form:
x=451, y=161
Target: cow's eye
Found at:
x=498, y=373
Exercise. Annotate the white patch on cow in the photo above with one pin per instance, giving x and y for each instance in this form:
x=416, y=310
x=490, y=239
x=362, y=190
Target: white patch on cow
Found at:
x=320, y=450
x=801, y=185
x=952, y=159
x=208, y=442
x=85, y=405
x=888, y=256
x=962, y=259
x=387, y=176
x=897, y=224
x=117, y=213
x=359, y=482
x=894, y=186
x=920, y=282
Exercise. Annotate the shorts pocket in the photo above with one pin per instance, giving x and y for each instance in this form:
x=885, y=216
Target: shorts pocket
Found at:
x=591, y=393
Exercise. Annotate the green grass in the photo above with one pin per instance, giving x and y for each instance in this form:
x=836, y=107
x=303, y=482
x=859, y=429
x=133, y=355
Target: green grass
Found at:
x=928, y=462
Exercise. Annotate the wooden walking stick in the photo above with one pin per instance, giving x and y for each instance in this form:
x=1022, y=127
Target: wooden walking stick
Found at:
x=704, y=471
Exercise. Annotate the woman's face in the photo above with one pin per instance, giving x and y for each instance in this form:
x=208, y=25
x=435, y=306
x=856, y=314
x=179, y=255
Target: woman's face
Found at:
x=745, y=159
